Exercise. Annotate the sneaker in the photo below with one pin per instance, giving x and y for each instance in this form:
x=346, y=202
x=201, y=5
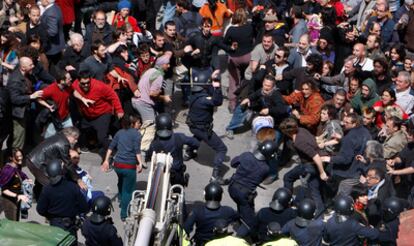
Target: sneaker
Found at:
x=220, y=180
x=230, y=134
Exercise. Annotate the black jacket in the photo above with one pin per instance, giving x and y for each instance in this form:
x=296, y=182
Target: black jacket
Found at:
x=91, y=28
x=19, y=92
x=55, y=147
x=278, y=109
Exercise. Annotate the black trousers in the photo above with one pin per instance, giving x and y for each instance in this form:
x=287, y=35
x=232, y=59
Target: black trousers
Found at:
x=101, y=127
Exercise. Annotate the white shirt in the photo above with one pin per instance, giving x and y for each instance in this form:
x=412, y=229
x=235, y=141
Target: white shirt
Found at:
x=405, y=100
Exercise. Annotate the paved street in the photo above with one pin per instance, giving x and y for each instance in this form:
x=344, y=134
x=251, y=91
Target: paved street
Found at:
x=200, y=169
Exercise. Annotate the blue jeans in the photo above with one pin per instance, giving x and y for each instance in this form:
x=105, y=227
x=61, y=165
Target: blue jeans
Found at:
x=237, y=120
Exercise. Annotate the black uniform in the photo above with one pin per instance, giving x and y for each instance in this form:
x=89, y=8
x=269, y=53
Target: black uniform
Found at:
x=204, y=219
x=350, y=231
x=267, y=215
x=242, y=189
x=174, y=145
x=389, y=232
x=310, y=235
x=60, y=203
x=200, y=121
x=101, y=234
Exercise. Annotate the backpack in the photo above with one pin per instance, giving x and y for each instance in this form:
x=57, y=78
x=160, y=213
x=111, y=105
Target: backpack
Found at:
x=189, y=26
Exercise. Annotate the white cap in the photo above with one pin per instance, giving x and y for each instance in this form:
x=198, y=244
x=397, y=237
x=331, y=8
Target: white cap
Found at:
x=261, y=122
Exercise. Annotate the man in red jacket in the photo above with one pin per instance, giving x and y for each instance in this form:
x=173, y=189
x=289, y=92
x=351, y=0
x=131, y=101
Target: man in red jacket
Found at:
x=97, y=102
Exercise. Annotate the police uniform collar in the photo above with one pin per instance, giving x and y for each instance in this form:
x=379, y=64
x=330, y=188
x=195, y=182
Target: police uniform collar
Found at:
x=302, y=222
x=341, y=218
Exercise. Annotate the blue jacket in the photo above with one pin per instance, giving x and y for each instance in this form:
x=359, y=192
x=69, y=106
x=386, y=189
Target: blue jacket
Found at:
x=352, y=144
x=53, y=20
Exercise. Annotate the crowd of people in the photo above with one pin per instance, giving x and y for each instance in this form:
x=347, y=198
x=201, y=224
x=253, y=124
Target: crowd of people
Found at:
x=327, y=84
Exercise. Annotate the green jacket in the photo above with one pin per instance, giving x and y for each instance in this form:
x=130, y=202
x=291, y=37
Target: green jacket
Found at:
x=359, y=103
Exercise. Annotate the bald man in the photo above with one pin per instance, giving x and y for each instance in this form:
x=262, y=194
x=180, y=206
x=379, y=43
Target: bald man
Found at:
x=21, y=95
x=361, y=59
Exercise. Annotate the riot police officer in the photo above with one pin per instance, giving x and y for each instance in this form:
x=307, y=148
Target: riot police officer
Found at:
x=61, y=201
x=252, y=169
x=203, y=100
x=304, y=229
x=279, y=211
x=343, y=222
x=99, y=229
x=391, y=209
x=206, y=215
x=169, y=142
x=223, y=236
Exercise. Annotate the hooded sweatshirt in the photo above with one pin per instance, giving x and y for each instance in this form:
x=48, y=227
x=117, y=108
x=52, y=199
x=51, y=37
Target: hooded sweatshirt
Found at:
x=359, y=103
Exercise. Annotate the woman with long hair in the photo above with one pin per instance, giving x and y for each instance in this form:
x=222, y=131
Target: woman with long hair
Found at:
x=388, y=99
x=239, y=38
x=8, y=54
x=11, y=180
x=35, y=42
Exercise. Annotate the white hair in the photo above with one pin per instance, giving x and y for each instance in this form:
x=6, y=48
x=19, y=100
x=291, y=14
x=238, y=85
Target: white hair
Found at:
x=75, y=37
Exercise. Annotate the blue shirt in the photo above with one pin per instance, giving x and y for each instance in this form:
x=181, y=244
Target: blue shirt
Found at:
x=127, y=142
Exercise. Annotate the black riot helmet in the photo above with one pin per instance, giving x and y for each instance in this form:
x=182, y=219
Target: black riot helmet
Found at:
x=101, y=207
x=265, y=150
x=306, y=212
x=164, y=125
x=281, y=199
x=391, y=208
x=213, y=194
x=54, y=171
x=200, y=78
x=343, y=205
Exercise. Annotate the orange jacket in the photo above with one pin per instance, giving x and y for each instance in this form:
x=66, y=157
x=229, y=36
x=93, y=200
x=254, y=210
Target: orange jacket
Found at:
x=218, y=18
x=310, y=108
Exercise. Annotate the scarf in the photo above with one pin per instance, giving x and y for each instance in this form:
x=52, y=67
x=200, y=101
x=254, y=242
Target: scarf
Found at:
x=8, y=172
x=373, y=191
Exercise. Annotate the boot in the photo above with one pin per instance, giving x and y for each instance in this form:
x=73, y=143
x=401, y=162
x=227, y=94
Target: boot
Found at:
x=215, y=177
x=189, y=154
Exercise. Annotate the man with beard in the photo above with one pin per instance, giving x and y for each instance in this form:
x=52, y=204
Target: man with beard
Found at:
x=56, y=147
x=99, y=29
x=99, y=63
x=306, y=104
x=97, y=102
x=381, y=75
x=58, y=93
x=343, y=167
x=387, y=24
x=36, y=27
x=366, y=97
x=304, y=50
x=310, y=72
x=260, y=55
x=374, y=47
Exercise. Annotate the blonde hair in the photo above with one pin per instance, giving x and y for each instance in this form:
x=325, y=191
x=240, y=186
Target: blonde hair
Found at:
x=239, y=17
